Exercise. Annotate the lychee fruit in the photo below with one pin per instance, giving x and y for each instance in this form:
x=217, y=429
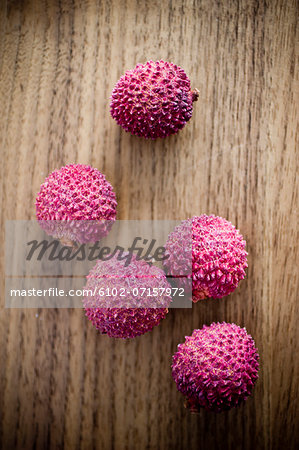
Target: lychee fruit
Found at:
x=218, y=254
x=153, y=100
x=76, y=204
x=216, y=368
x=126, y=300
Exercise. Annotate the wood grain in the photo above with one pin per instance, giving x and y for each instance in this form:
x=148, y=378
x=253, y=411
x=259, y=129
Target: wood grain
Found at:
x=61, y=384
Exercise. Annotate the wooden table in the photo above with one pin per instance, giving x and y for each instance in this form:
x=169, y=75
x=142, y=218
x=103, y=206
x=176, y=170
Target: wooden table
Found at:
x=62, y=385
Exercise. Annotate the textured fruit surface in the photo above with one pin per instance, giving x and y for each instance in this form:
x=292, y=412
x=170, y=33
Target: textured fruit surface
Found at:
x=219, y=258
x=74, y=193
x=216, y=368
x=153, y=100
x=124, y=304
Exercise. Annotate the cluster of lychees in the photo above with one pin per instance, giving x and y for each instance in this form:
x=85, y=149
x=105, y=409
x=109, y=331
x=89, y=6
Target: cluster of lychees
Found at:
x=217, y=366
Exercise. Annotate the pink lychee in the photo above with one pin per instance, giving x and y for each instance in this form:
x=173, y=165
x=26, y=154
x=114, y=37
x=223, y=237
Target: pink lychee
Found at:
x=216, y=368
x=126, y=301
x=76, y=203
x=153, y=100
x=217, y=249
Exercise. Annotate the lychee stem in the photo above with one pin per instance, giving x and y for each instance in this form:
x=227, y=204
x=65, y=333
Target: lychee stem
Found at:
x=195, y=95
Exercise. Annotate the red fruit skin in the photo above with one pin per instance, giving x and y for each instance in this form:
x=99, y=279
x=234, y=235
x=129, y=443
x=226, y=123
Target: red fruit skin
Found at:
x=125, y=315
x=219, y=258
x=76, y=203
x=216, y=368
x=153, y=100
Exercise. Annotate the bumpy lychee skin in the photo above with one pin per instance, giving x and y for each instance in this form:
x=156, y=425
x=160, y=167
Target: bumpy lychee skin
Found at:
x=216, y=368
x=76, y=203
x=121, y=301
x=153, y=100
x=219, y=258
